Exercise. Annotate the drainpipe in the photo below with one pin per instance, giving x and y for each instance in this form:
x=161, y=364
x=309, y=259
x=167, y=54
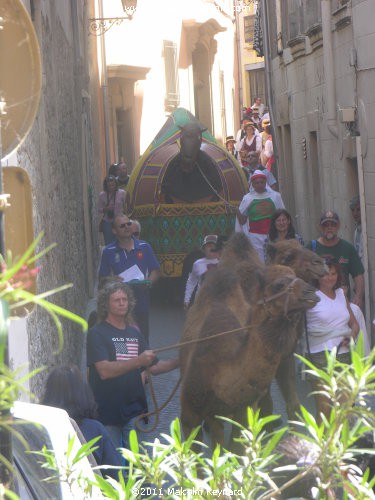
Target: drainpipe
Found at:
x=279, y=28
x=361, y=186
x=104, y=87
x=267, y=60
x=267, y=71
x=329, y=67
x=239, y=58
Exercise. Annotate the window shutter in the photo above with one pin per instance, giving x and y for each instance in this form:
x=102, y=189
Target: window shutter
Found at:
x=172, y=97
x=249, y=29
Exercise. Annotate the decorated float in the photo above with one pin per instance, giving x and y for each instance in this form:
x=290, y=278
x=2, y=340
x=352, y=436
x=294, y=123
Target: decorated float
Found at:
x=175, y=213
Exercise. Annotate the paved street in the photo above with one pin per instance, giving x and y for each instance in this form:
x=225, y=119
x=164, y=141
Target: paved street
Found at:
x=166, y=327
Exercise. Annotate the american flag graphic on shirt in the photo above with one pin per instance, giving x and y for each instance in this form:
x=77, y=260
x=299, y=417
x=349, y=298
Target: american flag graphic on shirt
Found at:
x=126, y=348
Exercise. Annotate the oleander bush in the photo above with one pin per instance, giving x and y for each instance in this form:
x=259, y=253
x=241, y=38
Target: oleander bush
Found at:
x=304, y=459
x=333, y=459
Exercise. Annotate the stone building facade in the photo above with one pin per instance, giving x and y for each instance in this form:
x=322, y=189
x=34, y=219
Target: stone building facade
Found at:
x=322, y=67
x=61, y=156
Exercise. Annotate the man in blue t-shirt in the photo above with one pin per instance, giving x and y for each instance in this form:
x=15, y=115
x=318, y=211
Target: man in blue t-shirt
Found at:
x=135, y=263
x=116, y=355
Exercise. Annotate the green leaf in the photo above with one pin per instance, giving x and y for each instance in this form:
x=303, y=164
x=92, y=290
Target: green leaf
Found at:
x=273, y=441
x=133, y=441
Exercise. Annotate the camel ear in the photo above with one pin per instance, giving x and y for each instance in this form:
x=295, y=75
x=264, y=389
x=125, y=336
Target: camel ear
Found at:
x=271, y=251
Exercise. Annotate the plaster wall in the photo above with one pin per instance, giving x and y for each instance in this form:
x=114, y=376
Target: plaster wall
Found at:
x=300, y=91
x=364, y=40
x=302, y=81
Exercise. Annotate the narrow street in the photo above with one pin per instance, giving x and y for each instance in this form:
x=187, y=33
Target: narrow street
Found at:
x=166, y=328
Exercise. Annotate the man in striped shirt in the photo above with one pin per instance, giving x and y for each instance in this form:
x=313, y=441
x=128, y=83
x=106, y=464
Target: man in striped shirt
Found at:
x=117, y=353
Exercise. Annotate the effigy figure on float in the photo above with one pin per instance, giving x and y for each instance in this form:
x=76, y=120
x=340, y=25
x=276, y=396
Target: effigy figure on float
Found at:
x=184, y=186
x=191, y=176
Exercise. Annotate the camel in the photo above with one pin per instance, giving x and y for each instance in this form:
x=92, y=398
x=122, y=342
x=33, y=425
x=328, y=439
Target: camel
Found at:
x=308, y=266
x=225, y=375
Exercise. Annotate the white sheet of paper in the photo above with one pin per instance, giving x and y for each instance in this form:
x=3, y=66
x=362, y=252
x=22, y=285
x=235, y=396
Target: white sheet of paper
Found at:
x=133, y=273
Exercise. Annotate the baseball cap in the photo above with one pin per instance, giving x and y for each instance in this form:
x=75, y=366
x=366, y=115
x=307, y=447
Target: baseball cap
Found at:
x=258, y=174
x=210, y=238
x=329, y=216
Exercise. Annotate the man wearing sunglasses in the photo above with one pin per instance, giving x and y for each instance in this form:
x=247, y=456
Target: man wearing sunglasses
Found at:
x=134, y=261
x=330, y=246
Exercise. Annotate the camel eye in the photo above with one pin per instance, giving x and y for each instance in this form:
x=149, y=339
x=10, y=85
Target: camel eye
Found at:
x=288, y=259
x=277, y=287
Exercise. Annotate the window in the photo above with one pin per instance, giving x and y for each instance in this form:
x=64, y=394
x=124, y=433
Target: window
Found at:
x=249, y=29
x=172, y=97
x=257, y=84
x=311, y=13
x=300, y=16
x=294, y=18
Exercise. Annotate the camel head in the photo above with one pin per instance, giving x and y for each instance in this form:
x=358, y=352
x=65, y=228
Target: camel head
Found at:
x=305, y=263
x=285, y=293
x=190, y=142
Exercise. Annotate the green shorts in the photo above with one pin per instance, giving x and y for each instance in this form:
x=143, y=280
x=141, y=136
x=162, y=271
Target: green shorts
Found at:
x=320, y=361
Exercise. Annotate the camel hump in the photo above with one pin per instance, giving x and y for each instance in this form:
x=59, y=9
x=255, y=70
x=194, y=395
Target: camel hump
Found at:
x=279, y=250
x=221, y=320
x=239, y=248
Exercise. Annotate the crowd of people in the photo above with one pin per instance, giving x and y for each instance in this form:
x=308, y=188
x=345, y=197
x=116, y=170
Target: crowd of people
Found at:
x=252, y=145
x=118, y=352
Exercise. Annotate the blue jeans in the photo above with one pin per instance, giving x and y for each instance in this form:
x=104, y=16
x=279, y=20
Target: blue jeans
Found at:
x=107, y=232
x=120, y=434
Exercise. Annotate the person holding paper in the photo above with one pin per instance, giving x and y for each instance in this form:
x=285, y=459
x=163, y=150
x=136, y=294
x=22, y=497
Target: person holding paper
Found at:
x=135, y=263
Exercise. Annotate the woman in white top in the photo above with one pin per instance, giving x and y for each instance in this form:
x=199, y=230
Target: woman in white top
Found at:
x=331, y=323
x=251, y=142
x=201, y=267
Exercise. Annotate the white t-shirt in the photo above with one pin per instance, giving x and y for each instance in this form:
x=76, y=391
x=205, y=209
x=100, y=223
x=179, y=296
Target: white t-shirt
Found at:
x=328, y=322
x=268, y=148
x=362, y=327
x=200, y=267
